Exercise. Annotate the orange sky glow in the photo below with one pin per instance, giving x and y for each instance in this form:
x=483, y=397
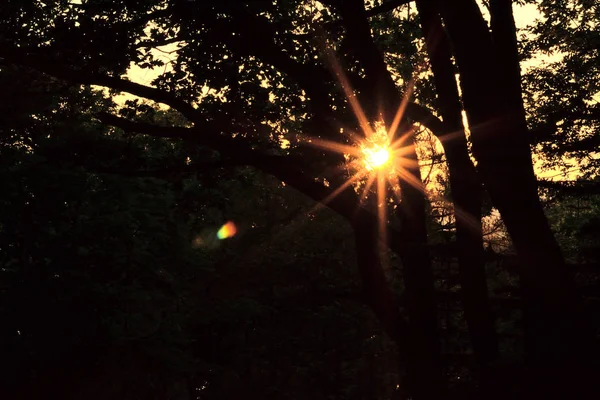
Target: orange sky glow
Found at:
x=524, y=16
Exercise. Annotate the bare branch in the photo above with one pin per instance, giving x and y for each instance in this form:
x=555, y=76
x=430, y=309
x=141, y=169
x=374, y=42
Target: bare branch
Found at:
x=157, y=44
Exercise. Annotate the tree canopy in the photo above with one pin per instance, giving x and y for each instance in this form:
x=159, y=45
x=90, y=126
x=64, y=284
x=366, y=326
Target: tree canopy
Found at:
x=416, y=123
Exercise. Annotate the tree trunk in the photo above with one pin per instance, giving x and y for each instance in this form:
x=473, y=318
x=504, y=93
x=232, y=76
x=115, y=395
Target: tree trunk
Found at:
x=425, y=374
x=466, y=194
x=554, y=329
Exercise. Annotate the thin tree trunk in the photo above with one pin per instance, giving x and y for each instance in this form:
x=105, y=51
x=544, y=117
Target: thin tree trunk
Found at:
x=422, y=377
x=425, y=372
x=418, y=282
x=466, y=194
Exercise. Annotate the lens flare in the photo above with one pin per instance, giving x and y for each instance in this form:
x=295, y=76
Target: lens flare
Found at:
x=379, y=157
x=228, y=230
x=376, y=157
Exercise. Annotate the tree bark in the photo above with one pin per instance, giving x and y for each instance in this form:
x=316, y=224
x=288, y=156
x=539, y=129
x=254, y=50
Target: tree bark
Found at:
x=554, y=329
x=504, y=38
x=425, y=373
x=419, y=377
x=466, y=194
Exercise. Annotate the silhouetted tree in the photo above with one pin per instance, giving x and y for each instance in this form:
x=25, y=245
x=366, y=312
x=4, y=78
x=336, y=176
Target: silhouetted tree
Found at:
x=246, y=74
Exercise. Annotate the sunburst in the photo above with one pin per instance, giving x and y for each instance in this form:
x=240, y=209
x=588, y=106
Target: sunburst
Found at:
x=375, y=156
x=374, y=163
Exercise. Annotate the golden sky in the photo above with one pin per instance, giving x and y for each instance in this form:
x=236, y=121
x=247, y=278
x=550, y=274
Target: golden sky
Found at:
x=524, y=16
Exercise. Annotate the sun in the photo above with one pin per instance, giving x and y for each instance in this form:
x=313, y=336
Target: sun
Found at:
x=375, y=160
x=376, y=157
x=376, y=152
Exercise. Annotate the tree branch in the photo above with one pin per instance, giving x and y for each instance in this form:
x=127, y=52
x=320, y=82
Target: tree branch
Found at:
x=257, y=40
x=285, y=168
x=572, y=187
x=259, y=43
x=385, y=7
x=86, y=78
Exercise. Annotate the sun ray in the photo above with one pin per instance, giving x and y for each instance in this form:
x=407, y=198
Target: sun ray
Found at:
x=365, y=191
x=397, y=191
x=411, y=179
x=470, y=220
x=401, y=109
x=377, y=159
x=398, y=143
x=353, y=136
x=354, y=178
x=349, y=92
x=410, y=150
x=334, y=146
x=382, y=206
x=405, y=163
x=451, y=136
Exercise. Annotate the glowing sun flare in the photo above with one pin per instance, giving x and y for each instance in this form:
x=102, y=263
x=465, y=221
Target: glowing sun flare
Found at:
x=376, y=157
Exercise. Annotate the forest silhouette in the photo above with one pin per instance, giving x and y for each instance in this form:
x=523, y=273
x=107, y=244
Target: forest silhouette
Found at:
x=308, y=199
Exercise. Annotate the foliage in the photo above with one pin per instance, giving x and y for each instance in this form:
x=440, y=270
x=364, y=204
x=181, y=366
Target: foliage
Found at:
x=90, y=261
x=110, y=263
x=566, y=41
x=107, y=292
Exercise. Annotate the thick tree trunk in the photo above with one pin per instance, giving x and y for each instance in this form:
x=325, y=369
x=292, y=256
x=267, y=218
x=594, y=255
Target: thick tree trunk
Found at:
x=500, y=144
x=466, y=193
x=581, y=349
x=504, y=38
